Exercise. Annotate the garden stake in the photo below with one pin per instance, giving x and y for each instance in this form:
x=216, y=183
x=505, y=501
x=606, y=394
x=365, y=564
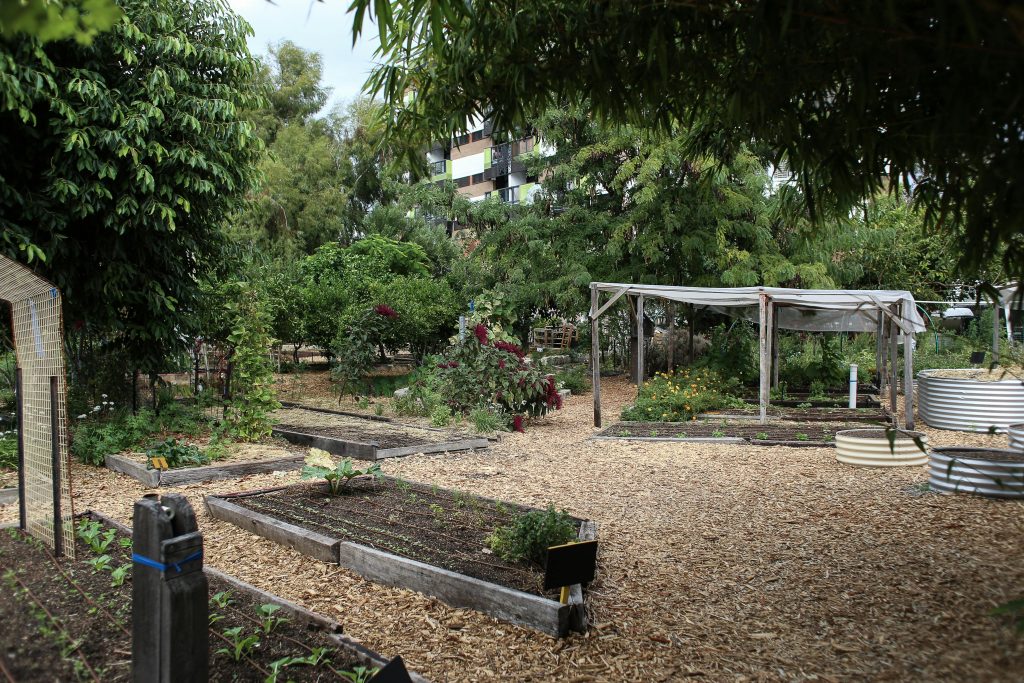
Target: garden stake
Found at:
x=170, y=593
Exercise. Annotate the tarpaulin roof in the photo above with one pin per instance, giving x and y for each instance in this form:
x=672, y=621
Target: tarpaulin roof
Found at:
x=814, y=310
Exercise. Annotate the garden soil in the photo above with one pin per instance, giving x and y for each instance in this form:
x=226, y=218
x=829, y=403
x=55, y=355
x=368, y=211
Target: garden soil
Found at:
x=717, y=563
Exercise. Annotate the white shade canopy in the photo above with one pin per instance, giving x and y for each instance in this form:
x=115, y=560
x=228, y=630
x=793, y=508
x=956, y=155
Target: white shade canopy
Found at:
x=811, y=310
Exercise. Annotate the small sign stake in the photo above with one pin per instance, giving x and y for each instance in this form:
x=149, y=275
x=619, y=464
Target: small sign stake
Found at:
x=570, y=564
x=160, y=463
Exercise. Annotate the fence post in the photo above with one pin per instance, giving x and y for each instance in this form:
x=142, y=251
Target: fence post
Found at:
x=170, y=593
x=56, y=469
x=20, y=401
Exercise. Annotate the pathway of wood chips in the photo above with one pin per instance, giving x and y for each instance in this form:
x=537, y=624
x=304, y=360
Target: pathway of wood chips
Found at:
x=718, y=563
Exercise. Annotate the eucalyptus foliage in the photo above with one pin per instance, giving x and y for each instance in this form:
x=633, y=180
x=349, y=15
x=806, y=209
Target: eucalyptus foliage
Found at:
x=856, y=97
x=121, y=160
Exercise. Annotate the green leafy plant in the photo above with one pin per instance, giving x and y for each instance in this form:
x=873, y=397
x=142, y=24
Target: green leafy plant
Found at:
x=805, y=404
x=625, y=432
x=762, y=436
x=801, y=436
x=360, y=674
x=241, y=645
x=355, y=347
x=1015, y=609
x=680, y=396
x=92, y=533
x=718, y=434
x=488, y=420
x=268, y=622
x=576, y=379
x=363, y=403
x=320, y=465
x=247, y=414
x=441, y=416
x=653, y=433
x=177, y=453
x=681, y=435
x=531, y=534
x=119, y=574
x=221, y=599
x=101, y=563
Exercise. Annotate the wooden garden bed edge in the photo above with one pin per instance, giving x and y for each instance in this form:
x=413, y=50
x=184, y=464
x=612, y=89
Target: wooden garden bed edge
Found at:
x=687, y=439
x=9, y=496
x=195, y=475
x=310, y=543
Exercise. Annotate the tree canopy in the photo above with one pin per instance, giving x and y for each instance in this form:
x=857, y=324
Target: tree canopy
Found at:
x=123, y=158
x=856, y=97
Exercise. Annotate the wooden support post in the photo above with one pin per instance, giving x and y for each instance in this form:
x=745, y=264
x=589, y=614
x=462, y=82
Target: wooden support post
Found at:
x=595, y=356
x=906, y=313
x=893, y=357
x=775, y=347
x=763, y=319
x=639, y=340
x=56, y=470
x=670, y=348
x=995, y=331
x=170, y=640
x=135, y=392
x=20, y=410
x=691, y=321
x=879, y=342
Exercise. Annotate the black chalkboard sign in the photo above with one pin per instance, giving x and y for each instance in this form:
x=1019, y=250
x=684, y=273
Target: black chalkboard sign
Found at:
x=977, y=357
x=570, y=563
x=394, y=672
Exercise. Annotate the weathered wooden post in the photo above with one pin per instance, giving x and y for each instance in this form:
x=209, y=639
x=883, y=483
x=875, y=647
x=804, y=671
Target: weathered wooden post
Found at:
x=170, y=593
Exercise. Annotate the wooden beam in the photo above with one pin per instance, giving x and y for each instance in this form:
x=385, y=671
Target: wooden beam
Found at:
x=594, y=310
x=639, y=340
x=907, y=313
x=995, y=331
x=595, y=359
x=879, y=344
x=670, y=349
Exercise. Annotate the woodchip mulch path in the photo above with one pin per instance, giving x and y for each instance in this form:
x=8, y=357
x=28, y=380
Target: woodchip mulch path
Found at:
x=718, y=563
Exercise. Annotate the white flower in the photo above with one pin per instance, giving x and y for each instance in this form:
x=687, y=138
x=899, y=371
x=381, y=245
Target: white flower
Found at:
x=95, y=408
x=81, y=417
x=103, y=395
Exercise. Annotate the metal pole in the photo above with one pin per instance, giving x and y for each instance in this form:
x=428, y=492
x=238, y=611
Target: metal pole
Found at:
x=55, y=469
x=20, y=409
x=893, y=356
x=995, y=332
x=853, y=386
x=764, y=351
x=595, y=356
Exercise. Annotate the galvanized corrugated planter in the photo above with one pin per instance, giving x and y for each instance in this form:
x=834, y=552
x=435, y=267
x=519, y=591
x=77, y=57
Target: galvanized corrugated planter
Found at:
x=992, y=472
x=1016, y=434
x=871, y=448
x=969, y=405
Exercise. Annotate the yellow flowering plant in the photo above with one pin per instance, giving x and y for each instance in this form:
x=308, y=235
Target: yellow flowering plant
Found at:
x=681, y=396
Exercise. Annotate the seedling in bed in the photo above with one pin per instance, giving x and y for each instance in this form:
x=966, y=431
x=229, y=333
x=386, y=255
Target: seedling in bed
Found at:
x=120, y=574
x=718, y=434
x=763, y=436
x=801, y=437
x=101, y=563
x=681, y=435
x=402, y=485
x=221, y=599
x=90, y=532
x=625, y=432
x=654, y=433
x=267, y=619
x=360, y=674
x=125, y=543
x=320, y=465
x=241, y=646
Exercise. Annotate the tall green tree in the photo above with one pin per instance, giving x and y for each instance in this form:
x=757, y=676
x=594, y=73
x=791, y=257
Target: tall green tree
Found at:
x=122, y=159
x=857, y=97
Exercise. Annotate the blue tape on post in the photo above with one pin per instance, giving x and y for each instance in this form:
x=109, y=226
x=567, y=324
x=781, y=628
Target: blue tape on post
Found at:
x=146, y=562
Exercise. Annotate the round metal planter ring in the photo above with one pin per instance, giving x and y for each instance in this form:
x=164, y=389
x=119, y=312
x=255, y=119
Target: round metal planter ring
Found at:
x=969, y=405
x=991, y=472
x=1016, y=434
x=871, y=448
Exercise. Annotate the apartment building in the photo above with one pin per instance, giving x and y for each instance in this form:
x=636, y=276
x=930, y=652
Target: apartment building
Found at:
x=481, y=167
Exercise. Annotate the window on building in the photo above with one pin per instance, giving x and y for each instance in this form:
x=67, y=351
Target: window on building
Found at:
x=463, y=182
x=462, y=139
x=478, y=178
x=477, y=135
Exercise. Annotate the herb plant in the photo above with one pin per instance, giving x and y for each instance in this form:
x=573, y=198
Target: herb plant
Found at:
x=177, y=453
x=241, y=646
x=320, y=465
x=268, y=622
x=531, y=534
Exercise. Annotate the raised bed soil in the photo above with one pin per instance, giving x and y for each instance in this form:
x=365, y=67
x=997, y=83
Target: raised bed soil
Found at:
x=771, y=434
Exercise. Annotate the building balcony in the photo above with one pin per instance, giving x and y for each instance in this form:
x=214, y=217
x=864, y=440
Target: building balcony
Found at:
x=438, y=167
x=508, y=195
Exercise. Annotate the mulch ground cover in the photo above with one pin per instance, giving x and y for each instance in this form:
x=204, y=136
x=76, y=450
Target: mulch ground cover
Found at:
x=67, y=620
x=443, y=528
x=811, y=433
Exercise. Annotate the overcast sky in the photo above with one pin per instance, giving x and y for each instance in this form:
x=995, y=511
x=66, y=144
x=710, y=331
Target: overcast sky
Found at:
x=323, y=27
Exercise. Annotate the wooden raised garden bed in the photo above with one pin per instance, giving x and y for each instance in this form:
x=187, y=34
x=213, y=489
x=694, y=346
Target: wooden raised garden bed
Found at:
x=364, y=438
x=875, y=415
x=136, y=467
x=68, y=620
x=775, y=433
x=417, y=537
